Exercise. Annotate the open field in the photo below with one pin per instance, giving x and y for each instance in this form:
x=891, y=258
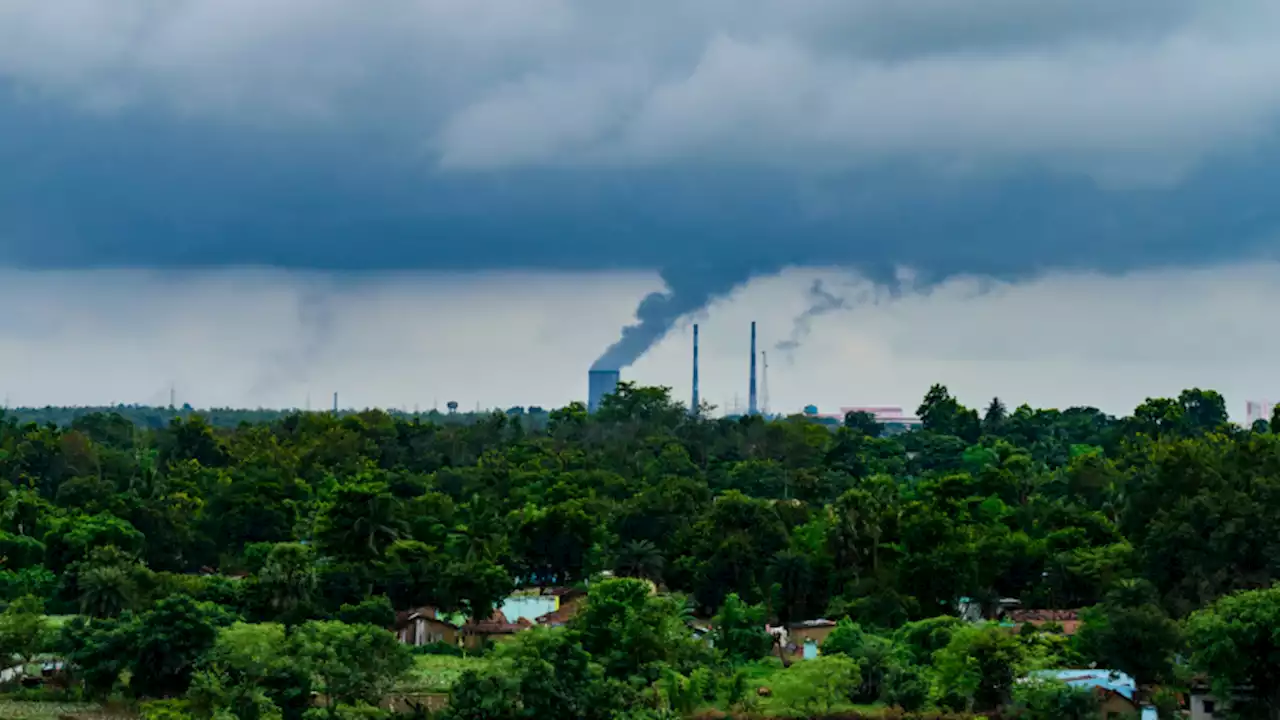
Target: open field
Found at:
x=437, y=673
x=42, y=710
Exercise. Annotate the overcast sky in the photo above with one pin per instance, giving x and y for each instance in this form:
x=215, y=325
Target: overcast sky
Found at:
x=1041, y=196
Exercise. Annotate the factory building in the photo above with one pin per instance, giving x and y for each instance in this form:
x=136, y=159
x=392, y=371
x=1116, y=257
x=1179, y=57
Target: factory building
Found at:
x=894, y=419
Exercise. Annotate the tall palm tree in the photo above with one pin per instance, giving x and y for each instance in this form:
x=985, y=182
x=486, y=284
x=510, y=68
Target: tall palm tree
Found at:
x=640, y=559
x=106, y=590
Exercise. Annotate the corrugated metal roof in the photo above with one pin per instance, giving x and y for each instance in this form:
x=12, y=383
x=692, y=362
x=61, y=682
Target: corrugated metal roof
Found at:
x=1112, y=680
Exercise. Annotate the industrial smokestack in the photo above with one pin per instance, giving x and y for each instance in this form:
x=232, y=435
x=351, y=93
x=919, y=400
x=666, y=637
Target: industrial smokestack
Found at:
x=599, y=384
x=752, y=408
x=693, y=408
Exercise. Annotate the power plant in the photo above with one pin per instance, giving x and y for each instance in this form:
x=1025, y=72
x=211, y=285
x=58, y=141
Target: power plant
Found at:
x=605, y=382
x=599, y=384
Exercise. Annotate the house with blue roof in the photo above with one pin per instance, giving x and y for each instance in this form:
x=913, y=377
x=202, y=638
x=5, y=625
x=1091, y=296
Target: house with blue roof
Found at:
x=1116, y=692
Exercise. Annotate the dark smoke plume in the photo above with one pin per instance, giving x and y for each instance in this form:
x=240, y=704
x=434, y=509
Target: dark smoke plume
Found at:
x=821, y=302
x=688, y=291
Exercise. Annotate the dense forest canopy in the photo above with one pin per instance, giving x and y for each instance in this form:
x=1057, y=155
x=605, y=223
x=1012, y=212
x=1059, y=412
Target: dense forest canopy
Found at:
x=308, y=518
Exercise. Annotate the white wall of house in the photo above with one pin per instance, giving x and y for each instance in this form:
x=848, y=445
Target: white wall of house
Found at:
x=1206, y=707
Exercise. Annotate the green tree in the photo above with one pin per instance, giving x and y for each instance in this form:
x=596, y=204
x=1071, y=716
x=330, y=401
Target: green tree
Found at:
x=1131, y=633
x=24, y=632
x=940, y=413
x=874, y=654
x=164, y=644
x=738, y=631
x=993, y=421
x=375, y=611
x=251, y=674
x=1234, y=642
x=816, y=687
x=362, y=521
x=1053, y=700
x=631, y=631
x=349, y=664
x=978, y=667
x=287, y=583
x=639, y=559
x=863, y=423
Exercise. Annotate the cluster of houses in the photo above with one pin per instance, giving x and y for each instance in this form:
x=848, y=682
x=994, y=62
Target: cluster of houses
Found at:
x=548, y=607
x=553, y=607
x=1116, y=693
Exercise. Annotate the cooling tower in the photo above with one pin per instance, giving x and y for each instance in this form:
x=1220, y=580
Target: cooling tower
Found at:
x=599, y=384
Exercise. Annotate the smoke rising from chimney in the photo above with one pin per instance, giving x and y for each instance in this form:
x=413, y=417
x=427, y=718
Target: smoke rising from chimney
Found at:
x=689, y=289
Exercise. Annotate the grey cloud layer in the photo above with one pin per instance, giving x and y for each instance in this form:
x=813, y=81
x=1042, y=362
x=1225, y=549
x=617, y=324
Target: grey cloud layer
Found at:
x=497, y=83
x=713, y=141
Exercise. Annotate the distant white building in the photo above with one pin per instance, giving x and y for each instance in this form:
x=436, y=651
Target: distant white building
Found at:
x=891, y=417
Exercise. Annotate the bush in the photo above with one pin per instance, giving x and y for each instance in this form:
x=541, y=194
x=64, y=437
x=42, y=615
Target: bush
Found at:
x=1053, y=700
x=439, y=648
x=818, y=686
x=376, y=611
x=906, y=686
x=165, y=710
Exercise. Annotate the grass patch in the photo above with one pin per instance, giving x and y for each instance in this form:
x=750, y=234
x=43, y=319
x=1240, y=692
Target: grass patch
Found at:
x=436, y=673
x=38, y=710
x=766, y=673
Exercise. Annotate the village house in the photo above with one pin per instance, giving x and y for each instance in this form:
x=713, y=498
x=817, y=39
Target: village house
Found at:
x=568, y=602
x=1202, y=704
x=1068, y=620
x=802, y=640
x=495, y=629
x=424, y=626
x=1115, y=692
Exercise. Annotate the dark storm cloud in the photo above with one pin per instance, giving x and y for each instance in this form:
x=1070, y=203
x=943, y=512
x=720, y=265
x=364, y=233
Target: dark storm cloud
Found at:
x=713, y=141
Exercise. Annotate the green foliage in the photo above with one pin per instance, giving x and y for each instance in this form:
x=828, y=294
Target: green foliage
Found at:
x=816, y=687
x=906, y=686
x=376, y=611
x=160, y=648
x=874, y=654
x=349, y=664
x=24, y=631
x=977, y=669
x=630, y=630
x=738, y=631
x=1234, y=642
x=297, y=517
x=286, y=585
x=1130, y=632
x=1053, y=700
x=166, y=642
x=544, y=673
x=174, y=709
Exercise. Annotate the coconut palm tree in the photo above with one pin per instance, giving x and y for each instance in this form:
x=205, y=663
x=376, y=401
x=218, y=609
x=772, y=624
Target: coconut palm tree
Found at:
x=639, y=559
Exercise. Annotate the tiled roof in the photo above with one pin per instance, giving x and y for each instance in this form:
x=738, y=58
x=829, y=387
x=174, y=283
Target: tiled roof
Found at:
x=1068, y=619
x=404, y=617
x=496, y=624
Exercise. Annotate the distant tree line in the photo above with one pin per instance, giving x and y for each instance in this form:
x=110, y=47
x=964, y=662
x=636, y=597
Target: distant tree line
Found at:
x=162, y=533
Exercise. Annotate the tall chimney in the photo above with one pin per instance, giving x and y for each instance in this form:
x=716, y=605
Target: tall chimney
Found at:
x=335, y=403
x=693, y=408
x=752, y=409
